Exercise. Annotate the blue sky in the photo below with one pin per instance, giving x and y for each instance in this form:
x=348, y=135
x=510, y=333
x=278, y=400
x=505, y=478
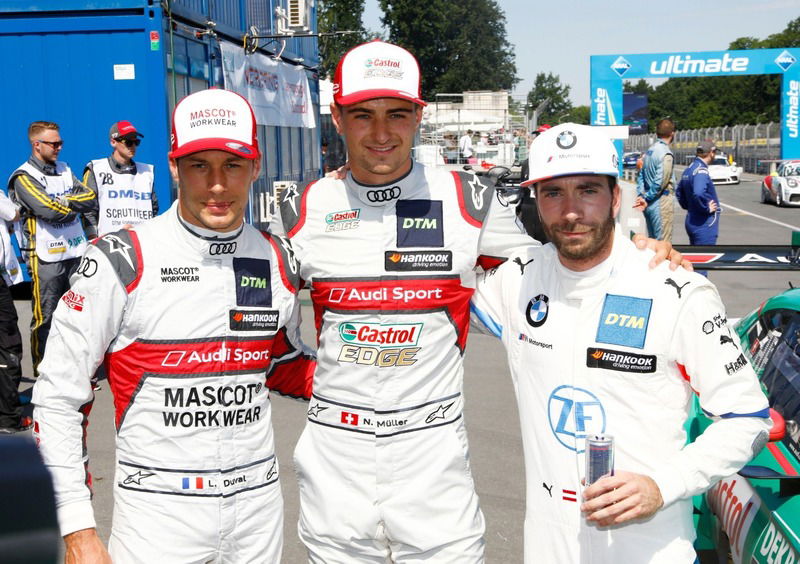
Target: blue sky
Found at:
x=561, y=40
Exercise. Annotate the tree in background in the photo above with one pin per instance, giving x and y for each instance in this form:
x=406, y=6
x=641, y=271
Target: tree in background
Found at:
x=460, y=45
x=548, y=86
x=339, y=15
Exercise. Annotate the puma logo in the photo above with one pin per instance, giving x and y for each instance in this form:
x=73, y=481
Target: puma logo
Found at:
x=671, y=282
x=549, y=490
x=726, y=339
x=522, y=265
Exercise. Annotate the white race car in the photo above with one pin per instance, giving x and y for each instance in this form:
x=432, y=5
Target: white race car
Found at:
x=782, y=186
x=722, y=172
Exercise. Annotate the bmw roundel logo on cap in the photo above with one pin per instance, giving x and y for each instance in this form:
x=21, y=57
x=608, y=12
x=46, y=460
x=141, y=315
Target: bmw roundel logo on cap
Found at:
x=566, y=140
x=536, y=312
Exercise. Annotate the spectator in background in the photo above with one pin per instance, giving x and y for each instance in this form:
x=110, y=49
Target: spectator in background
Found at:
x=465, y=146
x=51, y=200
x=656, y=183
x=11, y=419
x=520, y=146
x=697, y=194
x=125, y=195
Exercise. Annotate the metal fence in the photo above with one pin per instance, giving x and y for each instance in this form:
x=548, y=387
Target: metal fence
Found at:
x=489, y=116
x=749, y=144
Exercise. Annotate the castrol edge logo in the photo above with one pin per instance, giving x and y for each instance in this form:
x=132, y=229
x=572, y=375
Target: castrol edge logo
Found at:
x=735, y=504
x=385, y=336
x=381, y=345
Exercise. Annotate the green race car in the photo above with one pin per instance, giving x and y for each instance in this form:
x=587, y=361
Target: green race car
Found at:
x=754, y=516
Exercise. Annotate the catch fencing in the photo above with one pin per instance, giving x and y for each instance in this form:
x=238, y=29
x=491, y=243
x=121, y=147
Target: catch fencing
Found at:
x=750, y=145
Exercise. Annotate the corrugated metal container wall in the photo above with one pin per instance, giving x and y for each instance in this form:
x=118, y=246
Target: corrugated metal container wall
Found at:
x=83, y=70
x=88, y=63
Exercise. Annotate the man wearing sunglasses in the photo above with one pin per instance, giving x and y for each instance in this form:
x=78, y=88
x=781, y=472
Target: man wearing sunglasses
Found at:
x=125, y=195
x=51, y=201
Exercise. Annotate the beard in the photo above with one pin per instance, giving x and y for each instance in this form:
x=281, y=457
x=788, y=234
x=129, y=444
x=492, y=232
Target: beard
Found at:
x=600, y=237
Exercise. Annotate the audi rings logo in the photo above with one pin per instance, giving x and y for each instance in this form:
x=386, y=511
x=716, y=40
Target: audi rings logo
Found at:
x=384, y=195
x=87, y=268
x=222, y=248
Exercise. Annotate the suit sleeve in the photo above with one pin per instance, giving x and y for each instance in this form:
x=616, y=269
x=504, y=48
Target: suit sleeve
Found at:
x=90, y=218
x=293, y=364
x=709, y=354
x=486, y=306
x=85, y=322
x=8, y=210
x=699, y=194
x=34, y=198
x=500, y=235
x=81, y=198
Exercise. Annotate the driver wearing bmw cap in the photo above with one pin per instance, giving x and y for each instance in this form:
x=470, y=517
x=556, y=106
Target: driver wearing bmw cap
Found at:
x=600, y=344
x=389, y=253
x=194, y=314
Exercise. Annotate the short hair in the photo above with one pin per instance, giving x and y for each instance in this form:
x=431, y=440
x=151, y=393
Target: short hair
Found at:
x=665, y=127
x=36, y=127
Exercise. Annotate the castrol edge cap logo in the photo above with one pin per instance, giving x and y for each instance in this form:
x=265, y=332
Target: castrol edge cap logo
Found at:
x=382, y=335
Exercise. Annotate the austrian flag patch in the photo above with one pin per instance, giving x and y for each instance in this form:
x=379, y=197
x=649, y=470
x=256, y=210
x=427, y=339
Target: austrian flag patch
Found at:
x=73, y=300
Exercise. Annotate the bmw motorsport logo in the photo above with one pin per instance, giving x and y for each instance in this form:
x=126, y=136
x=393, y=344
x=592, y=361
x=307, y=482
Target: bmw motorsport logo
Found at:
x=536, y=313
x=566, y=140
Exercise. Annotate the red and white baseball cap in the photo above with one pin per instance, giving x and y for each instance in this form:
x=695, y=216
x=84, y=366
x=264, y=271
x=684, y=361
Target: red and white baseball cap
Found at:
x=214, y=119
x=123, y=128
x=376, y=70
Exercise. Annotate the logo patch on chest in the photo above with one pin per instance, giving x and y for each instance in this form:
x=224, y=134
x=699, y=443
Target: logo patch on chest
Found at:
x=624, y=321
x=253, y=287
x=419, y=223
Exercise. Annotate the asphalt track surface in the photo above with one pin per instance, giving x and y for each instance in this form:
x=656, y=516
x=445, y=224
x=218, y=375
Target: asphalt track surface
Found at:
x=491, y=410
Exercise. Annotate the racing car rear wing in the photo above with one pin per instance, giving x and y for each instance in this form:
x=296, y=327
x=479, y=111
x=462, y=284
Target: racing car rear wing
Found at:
x=744, y=257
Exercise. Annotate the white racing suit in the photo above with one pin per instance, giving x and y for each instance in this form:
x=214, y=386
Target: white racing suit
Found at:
x=619, y=350
x=191, y=330
x=383, y=464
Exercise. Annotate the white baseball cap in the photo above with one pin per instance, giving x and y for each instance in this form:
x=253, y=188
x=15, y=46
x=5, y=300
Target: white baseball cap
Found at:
x=568, y=149
x=214, y=119
x=376, y=70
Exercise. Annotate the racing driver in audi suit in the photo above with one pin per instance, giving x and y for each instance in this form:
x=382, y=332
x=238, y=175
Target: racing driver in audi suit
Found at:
x=599, y=344
x=194, y=315
x=389, y=252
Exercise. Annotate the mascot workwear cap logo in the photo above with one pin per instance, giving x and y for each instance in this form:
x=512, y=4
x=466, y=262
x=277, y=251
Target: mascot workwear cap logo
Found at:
x=377, y=70
x=568, y=149
x=214, y=119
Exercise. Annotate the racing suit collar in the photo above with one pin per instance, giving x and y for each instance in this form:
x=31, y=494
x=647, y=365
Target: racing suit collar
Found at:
x=383, y=194
x=578, y=285
x=48, y=169
x=205, y=241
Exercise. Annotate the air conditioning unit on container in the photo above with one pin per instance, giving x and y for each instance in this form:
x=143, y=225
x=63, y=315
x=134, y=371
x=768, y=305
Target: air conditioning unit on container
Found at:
x=298, y=15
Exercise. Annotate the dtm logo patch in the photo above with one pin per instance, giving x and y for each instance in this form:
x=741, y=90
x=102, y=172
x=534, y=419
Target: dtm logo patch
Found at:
x=419, y=223
x=253, y=286
x=575, y=413
x=624, y=321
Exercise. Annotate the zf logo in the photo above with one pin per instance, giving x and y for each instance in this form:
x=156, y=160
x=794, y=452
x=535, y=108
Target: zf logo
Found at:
x=106, y=178
x=575, y=413
x=385, y=195
x=222, y=248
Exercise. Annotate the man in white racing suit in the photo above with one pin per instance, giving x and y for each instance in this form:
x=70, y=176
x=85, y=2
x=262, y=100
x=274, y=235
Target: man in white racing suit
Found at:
x=389, y=253
x=194, y=315
x=599, y=344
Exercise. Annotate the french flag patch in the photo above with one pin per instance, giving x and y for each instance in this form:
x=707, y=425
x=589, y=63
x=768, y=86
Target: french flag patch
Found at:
x=193, y=483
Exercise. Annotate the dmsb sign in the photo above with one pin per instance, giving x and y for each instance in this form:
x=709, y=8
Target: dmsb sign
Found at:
x=608, y=72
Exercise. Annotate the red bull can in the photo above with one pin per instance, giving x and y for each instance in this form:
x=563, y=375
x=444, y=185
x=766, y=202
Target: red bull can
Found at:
x=599, y=457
